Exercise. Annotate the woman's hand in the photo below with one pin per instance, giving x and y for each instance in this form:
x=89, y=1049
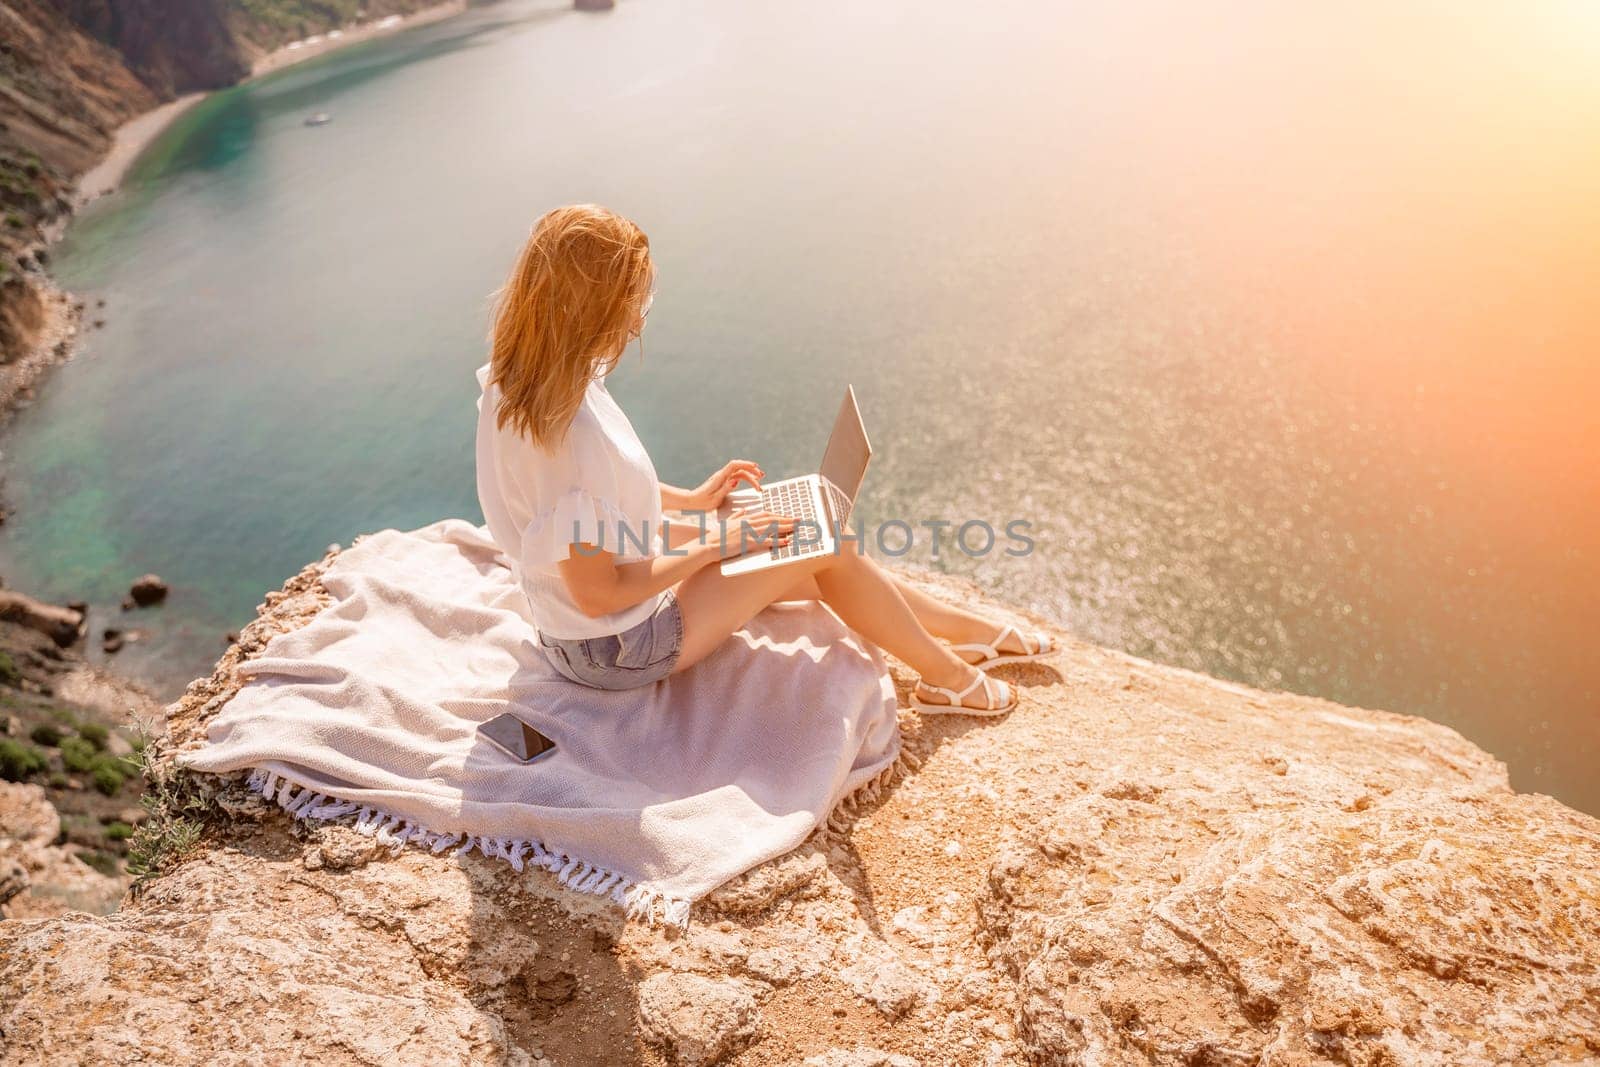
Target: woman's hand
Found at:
x=748, y=530
x=710, y=494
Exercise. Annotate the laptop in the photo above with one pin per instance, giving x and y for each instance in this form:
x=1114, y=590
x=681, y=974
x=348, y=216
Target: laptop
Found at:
x=820, y=502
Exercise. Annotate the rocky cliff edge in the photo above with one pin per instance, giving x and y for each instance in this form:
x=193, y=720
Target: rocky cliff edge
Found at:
x=1140, y=865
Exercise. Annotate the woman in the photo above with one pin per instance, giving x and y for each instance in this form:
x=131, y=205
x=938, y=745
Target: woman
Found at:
x=571, y=497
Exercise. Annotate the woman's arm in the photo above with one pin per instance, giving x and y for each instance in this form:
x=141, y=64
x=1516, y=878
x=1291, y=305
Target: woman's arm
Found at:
x=675, y=499
x=709, y=494
x=600, y=585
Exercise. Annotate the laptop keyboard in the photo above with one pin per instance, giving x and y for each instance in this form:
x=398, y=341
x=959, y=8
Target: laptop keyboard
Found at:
x=840, y=502
x=794, y=498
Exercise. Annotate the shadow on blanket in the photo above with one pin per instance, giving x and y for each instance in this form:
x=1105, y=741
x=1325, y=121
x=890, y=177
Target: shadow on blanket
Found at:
x=657, y=795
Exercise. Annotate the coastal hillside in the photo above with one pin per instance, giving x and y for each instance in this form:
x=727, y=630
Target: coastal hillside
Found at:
x=179, y=46
x=61, y=96
x=71, y=72
x=1140, y=865
x=70, y=781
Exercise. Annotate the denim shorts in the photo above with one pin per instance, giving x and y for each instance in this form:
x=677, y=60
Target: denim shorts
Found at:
x=639, y=655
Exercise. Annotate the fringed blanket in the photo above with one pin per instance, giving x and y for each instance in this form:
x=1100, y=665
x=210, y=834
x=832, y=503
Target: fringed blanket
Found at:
x=654, y=797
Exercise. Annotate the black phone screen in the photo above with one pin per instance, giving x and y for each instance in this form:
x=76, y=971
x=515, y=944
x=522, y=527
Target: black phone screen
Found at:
x=516, y=737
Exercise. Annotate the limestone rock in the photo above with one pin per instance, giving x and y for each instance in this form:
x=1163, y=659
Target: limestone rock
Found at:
x=62, y=625
x=1155, y=868
x=14, y=880
x=340, y=848
x=859, y=1057
x=698, y=1020
x=148, y=589
x=883, y=982
x=37, y=876
x=786, y=965
x=758, y=888
x=190, y=990
x=27, y=817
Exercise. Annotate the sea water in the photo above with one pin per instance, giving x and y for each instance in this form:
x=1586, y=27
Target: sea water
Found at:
x=1275, y=326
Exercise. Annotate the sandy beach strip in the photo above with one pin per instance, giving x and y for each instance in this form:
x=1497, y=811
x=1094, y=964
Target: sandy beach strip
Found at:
x=133, y=136
x=129, y=140
x=323, y=43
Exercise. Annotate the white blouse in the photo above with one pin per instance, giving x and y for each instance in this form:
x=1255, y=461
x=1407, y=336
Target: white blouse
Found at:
x=597, y=486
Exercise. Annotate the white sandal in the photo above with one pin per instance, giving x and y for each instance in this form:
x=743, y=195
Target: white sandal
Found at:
x=1008, y=698
x=1038, y=645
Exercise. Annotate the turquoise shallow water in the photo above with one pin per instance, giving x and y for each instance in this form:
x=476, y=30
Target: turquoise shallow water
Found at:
x=1272, y=326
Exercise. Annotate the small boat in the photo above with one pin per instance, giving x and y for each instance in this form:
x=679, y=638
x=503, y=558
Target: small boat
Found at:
x=321, y=118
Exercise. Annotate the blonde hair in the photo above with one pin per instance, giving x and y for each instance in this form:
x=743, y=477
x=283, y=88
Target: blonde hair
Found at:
x=564, y=316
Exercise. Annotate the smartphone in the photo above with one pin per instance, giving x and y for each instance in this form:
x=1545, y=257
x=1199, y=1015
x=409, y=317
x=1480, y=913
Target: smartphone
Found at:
x=512, y=735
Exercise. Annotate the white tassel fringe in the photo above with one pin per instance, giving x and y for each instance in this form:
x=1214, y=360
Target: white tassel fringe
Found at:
x=396, y=833
x=639, y=901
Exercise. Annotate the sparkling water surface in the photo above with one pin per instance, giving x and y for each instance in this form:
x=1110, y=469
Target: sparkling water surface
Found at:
x=1277, y=326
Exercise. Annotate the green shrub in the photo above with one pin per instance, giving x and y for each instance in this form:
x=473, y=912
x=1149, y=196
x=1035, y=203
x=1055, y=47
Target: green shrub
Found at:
x=108, y=779
x=18, y=761
x=64, y=718
x=57, y=780
x=9, y=674
x=75, y=826
x=78, y=755
x=118, y=831
x=104, y=862
x=46, y=735
x=177, y=811
x=96, y=734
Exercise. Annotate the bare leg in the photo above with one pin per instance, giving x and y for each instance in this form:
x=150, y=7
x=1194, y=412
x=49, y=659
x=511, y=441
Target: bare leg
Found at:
x=804, y=589
x=863, y=595
x=942, y=620
x=953, y=624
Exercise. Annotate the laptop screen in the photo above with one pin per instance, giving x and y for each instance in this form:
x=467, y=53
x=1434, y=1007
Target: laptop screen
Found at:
x=845, y=462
